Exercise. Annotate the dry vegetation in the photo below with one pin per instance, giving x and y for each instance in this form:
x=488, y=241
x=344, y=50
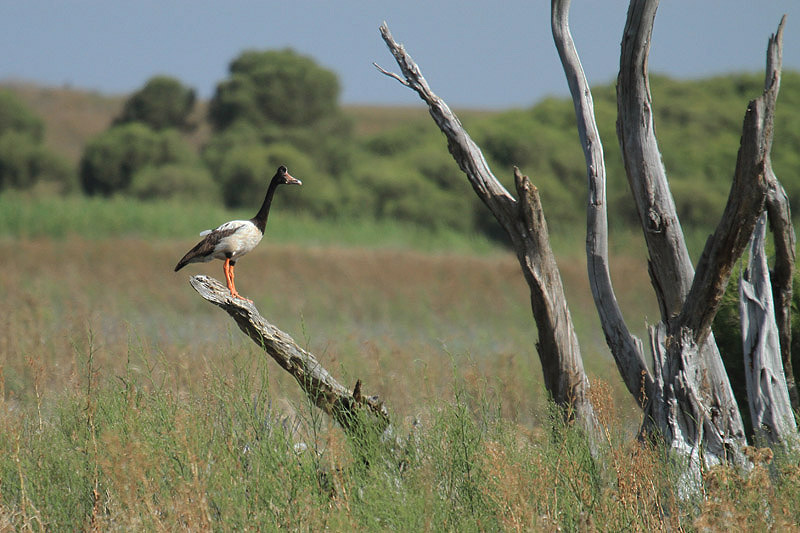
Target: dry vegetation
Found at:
x=130, y=403
x=400, y=320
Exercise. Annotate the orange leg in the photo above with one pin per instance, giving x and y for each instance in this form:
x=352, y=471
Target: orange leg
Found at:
x=228, y=268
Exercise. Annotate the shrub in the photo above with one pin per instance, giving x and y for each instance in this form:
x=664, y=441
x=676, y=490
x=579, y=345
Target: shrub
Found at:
x=24, y=162
x=15, y=116
x=162, y=103
x=112, y=158
x=274, y=86
x=174, y=180
x=18, y=153
x=245, y=171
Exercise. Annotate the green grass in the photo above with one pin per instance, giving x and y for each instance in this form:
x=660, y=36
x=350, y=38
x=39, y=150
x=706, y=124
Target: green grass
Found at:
x=129, y=403
x=35, y=216
x=134, y=455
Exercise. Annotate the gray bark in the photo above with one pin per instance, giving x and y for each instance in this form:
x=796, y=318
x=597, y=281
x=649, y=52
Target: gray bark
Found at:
x=670, y=267
x=523, y=220
x=359, y=415
x=767, y=394
x=685, y=322
x=780, y=220
x=625, y=347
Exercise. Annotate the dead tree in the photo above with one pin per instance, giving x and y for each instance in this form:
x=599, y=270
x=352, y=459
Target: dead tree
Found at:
x=694, y=408
x=359, y=415
x=686, y=397
x=523, y=220
x=767, y=392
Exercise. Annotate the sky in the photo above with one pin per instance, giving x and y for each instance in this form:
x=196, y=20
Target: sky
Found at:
x=485, y=55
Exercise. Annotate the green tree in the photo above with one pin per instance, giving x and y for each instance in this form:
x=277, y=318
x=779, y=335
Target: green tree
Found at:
x=245, y=171
x=239, y=134
x=162, y=103
x=274, y=87
x=24, y=160
x=112, y=158
x=19, y=154
x=174, y=180
x=16, y=116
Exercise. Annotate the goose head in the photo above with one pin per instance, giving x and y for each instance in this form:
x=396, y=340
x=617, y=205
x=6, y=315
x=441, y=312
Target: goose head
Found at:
x=283, y=177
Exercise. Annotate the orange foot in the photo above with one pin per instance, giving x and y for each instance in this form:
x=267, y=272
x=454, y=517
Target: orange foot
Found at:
x=228, y=269
x=237, y=295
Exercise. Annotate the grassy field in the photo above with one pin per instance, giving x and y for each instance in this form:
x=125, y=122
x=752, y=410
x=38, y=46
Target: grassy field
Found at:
x=129, y=403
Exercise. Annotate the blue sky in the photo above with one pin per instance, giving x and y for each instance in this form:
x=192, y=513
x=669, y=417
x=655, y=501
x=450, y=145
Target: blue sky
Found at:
x=474, y=54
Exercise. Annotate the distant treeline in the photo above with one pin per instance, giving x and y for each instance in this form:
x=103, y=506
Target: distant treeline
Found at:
x=279, y=107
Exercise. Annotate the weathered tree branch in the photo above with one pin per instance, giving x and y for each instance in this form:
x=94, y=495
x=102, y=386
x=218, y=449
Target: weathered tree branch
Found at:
x=347, y=408
x=767, y=394
x=670, y=266
x=745, y=204
x=780, y=220
x=714, y=415
x=524, y=222
x=625, y=347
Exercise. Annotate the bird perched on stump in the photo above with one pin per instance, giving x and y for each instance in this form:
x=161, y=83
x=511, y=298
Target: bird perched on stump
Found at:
x=233, y=239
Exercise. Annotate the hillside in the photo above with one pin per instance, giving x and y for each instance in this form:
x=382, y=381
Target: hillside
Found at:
x=72, y=115
x=393, y=163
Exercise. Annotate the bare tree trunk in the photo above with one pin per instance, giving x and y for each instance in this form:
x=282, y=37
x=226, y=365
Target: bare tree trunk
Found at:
x=690, y=402
x=524, y=222
x=767, y=394
x=690, y=372
x=359, y=415
x=691, y=327
x=780, y=219
x=625, y=347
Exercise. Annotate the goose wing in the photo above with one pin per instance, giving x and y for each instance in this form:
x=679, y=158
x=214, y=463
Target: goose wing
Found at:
x=203, y=250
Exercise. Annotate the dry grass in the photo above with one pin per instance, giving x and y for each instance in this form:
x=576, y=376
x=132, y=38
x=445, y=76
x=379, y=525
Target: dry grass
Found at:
x=121, y=384
x=399, y=320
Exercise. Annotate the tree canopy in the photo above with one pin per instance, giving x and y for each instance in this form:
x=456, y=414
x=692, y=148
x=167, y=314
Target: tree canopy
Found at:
x=24, y=160
x=16, y=116
x=278, y=87
x=112, y=159
x=162, y=103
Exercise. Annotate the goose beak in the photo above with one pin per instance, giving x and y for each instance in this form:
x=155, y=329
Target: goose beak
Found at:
x=291, y=180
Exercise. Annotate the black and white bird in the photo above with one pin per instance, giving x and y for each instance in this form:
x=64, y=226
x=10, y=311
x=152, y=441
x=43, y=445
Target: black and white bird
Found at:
x=233, y=239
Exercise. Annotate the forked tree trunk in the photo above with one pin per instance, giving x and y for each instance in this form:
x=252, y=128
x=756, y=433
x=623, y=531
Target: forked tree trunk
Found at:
x=691, y=327
x=686, y=397
x=693, y=408
x=523, y=220
x=693, y=403
x=689, y=402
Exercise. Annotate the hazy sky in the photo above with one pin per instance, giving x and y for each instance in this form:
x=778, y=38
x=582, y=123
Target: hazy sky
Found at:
x=474, y=54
